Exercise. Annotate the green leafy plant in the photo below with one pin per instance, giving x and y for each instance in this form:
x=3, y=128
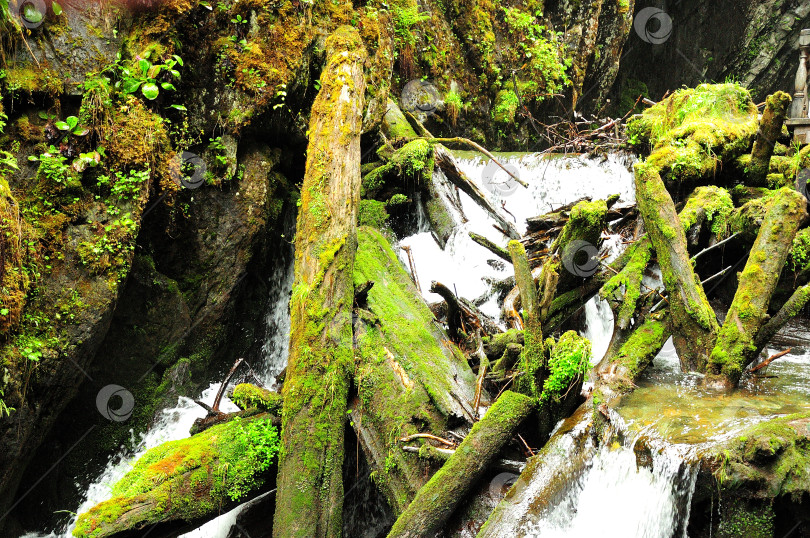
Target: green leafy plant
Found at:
x=71, y=127
x=4, y=409
x=143, y=75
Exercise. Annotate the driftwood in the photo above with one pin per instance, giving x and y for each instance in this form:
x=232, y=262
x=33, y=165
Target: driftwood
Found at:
x=769, y=360
x=437, y=499
x=310, y=484
x=492, y=247
x=447, y=163
x=443, y=454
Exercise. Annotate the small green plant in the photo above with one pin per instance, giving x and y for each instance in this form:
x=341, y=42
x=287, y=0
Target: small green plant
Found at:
x=4, y=409
x=71, y=127
x=143, y=75
x=258, y=442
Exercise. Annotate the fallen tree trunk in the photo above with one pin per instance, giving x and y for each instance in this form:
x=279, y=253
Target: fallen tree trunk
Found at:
x=410, y=378
x=735, y=348
x=693, y=321
x=310, y=487
x=436, y=501
x=447, y=163
x=532, y=361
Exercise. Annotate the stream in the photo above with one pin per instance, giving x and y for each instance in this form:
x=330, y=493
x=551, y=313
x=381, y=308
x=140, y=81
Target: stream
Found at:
x=667, y=414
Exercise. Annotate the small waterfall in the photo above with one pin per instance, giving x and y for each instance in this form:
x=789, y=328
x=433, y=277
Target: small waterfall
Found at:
x=598, y=327
x=629, y=490
x=276, y=347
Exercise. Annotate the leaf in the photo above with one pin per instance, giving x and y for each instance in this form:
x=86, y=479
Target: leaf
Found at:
x=81, y=132
x=4, y=312
x=154, y=71
x=179, y=107
x=179, y=59
x=175, y=73
x=57, y=9
x=42, y=114
x=131, y=85
x=150, y=90
x=167, y=86
x=73, y=121
x=33, y=158
x=62, y=126
x=31, y=14
x=144, y=65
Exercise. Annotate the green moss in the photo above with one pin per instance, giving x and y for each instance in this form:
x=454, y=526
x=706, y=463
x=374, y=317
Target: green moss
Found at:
x=189, y=478
x=694, y=130
x=372, y=213
x=506, y=104
x=643, y=345
x=414, y=160
x=247, y=396
x=799, y=257
x=405, y=367
x=568, y=362
x=714, y=203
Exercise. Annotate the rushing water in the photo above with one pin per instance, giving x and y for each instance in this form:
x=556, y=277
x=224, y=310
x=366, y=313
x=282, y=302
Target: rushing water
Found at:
x=465, y=266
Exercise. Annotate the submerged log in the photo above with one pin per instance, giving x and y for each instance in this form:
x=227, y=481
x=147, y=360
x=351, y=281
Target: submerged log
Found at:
x=436, y=501
x=735, y=347
x=693, y=321
x=310, y=487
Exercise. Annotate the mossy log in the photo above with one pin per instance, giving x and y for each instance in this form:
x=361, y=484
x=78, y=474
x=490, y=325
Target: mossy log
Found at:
x=436, y=501
x=794, y=304
x=693, y=321
x=310, y=487
x=532, y=361
x=735, y=347
x=410, y=378
x=189, y=480
x=770, y=129
x=247, y=396
x=492, y=247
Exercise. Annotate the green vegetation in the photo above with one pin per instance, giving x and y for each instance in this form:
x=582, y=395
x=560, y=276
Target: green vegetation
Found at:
x=190, y=478
x=569, y=360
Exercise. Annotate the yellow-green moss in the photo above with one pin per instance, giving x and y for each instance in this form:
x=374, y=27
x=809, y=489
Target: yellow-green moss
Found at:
x=247, y=396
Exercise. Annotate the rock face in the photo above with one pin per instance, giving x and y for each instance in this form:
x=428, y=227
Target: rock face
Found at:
x=752, y=41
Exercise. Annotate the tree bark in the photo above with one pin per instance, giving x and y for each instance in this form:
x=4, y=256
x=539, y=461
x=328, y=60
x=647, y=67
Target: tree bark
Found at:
x=792, y=306
x=693, y=321
x=436, y=501
x=310, y=487
x=735, y=347
x=770, y=129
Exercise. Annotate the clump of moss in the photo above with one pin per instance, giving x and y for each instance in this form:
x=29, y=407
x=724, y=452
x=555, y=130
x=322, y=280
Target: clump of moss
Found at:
x=568, y=361
x=695, y=129
x=372, y=213
x=247, y=396
x=413, y=160
x=506, y=105
x=799, y=258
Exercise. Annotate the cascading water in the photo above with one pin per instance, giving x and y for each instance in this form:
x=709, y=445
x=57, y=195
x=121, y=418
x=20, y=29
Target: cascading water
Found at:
x=174, y=423
x=553, y=181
